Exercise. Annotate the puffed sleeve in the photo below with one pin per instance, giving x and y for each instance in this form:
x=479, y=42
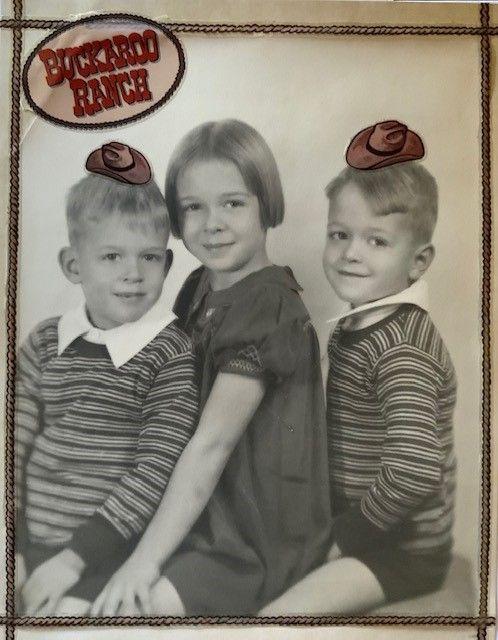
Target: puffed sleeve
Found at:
x=263, y=334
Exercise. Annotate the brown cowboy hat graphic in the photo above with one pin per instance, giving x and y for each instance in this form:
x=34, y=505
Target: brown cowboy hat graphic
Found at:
x=121, y=162
x=382, y=144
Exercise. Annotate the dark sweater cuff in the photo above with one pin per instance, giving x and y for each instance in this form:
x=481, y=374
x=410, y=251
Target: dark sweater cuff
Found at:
x=353, y=532
x=97, y=541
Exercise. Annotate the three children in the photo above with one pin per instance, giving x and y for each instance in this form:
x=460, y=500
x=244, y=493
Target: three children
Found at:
x=246, y=513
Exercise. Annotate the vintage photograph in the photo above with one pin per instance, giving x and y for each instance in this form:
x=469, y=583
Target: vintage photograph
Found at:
x=249, y=327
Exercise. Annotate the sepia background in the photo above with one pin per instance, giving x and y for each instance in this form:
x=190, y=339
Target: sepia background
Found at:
x=307, y=96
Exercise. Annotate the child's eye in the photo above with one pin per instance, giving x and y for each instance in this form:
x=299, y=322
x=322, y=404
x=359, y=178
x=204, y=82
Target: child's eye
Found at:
x=152, y=257
x=376, y=241
x=192, y=206
x=234, y=203
x=112, y=256
x=338, y=235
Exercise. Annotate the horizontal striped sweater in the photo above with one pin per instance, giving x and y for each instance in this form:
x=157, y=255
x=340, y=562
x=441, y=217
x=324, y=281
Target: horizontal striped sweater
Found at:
x=96, y=444
x=391, y=392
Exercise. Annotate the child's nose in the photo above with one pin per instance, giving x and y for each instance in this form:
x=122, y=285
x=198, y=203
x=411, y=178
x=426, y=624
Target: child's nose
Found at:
x=352, y=250
x=214, y=219
x=132, y=272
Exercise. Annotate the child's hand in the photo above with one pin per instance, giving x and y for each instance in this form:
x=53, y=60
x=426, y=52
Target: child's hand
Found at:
x=50, y=581
x=334, y=553
x=128, y=591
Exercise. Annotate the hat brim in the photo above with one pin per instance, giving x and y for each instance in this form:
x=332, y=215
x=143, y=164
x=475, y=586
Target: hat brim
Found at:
x=358, y=155
x=139, y=173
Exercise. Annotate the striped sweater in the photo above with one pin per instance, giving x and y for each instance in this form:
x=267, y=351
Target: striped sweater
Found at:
x=96, y=445
x=391, y=393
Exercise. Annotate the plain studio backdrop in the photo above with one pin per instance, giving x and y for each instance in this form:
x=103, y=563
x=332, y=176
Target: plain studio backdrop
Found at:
x=307, y=96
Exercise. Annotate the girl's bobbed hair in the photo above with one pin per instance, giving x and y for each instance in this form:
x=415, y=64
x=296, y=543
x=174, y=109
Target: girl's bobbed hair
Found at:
x=236, y=142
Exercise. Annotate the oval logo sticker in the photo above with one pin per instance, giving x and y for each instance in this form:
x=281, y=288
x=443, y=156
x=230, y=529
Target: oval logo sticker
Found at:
x=103, y=71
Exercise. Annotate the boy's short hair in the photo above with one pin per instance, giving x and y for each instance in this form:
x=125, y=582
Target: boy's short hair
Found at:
x=407, y=187
x=236, y=142
x=95, y=196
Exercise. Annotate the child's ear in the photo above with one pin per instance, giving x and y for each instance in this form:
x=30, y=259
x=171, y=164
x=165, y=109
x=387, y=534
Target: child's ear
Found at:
x=422, y=261
x=68, y=261
x=168, y=262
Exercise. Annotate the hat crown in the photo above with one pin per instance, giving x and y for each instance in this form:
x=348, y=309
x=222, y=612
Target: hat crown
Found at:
x=387, y=137
x=384, y=144
x=117, y=156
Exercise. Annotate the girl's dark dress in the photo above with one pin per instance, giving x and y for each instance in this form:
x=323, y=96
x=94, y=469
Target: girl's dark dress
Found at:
x=268, y=521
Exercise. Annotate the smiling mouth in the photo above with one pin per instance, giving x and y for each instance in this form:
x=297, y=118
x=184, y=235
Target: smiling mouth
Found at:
x=350, y=274
x=129, y=296
x=217, y=245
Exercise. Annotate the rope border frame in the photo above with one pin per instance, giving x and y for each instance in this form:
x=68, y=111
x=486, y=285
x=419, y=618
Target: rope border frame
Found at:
x=480, y=622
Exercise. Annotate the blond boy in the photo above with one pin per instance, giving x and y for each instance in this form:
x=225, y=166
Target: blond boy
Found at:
x=106, y=399
x=391, y=387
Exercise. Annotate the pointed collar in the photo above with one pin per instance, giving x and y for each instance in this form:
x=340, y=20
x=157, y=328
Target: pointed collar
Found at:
x=417, y=294
x=123, y=342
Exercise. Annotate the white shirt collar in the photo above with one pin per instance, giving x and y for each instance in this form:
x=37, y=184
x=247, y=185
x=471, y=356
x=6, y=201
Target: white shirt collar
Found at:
x=417, y=294
x=123, y=342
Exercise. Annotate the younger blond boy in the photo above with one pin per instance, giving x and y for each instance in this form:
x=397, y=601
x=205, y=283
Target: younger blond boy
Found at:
x=391, y=387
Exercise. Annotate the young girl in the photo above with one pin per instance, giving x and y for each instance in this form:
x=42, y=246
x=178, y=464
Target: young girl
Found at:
x=246, y=513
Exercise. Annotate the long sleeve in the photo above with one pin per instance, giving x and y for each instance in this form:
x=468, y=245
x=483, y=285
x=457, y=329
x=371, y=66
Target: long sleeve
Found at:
x=28, y=416
x=169, y=418
x=407, y=382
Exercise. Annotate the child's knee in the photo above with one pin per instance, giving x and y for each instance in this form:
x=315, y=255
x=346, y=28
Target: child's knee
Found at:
x=165, y=600
x=70, y=606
